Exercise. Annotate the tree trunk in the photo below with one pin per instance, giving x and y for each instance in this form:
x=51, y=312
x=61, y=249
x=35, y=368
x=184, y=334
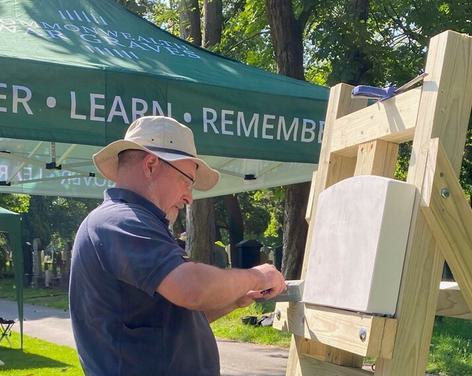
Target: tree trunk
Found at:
x=190, y=24
x=287, y=35
x=201, y=230
x=295, y=229
x=213, y=12
x=200, y=221
x=235, y=222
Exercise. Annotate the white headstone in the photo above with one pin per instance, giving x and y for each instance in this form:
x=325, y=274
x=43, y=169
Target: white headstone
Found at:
x=359, y=243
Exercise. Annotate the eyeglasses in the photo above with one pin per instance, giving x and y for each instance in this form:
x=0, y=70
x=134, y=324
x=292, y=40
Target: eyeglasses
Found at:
x=179, y=170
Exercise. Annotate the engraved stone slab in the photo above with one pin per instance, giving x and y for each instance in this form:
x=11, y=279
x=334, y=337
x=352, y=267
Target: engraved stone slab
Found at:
x=359, y=243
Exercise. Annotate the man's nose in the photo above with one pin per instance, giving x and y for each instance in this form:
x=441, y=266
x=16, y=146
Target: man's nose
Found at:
x=188, y=198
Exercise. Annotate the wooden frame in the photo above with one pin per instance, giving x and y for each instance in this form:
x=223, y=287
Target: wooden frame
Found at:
x=364, y=140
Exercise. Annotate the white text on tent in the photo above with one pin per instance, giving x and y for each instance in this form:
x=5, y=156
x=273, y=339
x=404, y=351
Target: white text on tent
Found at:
x=97, y=110
x=266, y=126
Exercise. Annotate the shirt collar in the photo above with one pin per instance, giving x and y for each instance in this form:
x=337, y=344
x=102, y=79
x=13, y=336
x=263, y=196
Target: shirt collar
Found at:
x=130, y=197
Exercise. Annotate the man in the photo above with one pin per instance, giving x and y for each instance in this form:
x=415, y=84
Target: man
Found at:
x=138, y=306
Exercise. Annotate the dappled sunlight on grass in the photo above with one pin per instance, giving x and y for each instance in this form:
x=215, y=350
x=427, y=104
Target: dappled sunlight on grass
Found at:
x=37, y=358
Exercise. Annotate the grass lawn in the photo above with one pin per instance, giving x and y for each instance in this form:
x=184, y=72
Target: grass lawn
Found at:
x=451, y=347
x=39, y=358
x=54, y=298
x=231, y=327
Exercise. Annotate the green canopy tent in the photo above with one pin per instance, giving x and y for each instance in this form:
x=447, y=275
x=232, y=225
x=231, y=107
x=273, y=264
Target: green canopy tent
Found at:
x=75, y=73
x=10, y=223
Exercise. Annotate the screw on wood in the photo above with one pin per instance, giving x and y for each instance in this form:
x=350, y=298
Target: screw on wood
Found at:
x=445, y=193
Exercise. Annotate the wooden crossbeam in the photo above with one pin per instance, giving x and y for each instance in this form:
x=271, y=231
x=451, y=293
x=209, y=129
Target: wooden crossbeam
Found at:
x=322, y=352
x=449, y=217
x=391, y=120
x=304, y=360
x=451, y=303
x=361, y=334
x=315, y=367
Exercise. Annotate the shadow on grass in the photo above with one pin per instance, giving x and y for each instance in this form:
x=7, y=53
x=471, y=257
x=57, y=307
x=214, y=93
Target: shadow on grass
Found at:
x=17, y=359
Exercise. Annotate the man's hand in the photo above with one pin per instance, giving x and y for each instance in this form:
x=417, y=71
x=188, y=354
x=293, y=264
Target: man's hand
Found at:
x=271, y=284
x=246, y=300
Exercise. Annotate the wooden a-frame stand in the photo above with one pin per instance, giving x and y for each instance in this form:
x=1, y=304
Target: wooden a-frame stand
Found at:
x=360, y=140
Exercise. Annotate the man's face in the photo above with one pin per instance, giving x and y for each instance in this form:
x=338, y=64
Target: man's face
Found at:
x=171, y=189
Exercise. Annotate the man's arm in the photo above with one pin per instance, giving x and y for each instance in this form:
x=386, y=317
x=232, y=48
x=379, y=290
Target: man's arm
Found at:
x=209, y=289
x=216, y=314
x=244, y=301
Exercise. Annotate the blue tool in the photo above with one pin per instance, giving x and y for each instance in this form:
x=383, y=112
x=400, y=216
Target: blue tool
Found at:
x=372, y=92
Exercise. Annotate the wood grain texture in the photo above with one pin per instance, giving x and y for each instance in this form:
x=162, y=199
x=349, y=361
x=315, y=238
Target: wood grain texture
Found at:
x=451, y=303
x=449, y=216
x=325, y=353
x=337, y=328
x=391, y=120
x=444, y=111
x=301, y=364
x=340, y=103
x=376, y=158
x=309, y=205
x=441, y=110
x=310, y=366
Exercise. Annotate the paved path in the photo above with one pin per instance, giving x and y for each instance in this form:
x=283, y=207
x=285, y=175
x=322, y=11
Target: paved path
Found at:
x=237, y=359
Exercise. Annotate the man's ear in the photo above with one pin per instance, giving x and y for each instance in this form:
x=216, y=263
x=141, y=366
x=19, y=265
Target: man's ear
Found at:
x=150, y=164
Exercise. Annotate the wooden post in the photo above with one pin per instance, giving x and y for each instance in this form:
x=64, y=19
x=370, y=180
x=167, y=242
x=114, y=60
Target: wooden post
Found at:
x=331, y=170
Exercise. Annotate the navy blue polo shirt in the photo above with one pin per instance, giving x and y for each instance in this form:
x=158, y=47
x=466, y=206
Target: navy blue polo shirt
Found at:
x=122, y=252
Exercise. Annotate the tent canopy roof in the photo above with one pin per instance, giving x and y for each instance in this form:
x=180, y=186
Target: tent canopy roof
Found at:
x=99, y=35
x=7, y=212
x=75, y=74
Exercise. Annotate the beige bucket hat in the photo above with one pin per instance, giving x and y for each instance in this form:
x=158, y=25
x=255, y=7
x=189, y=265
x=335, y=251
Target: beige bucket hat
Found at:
x=162, y=136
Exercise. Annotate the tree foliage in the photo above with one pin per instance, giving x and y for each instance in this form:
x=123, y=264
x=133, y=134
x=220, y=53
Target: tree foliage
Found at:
x=140, y=7
x=18, y=203
x=55, y=218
